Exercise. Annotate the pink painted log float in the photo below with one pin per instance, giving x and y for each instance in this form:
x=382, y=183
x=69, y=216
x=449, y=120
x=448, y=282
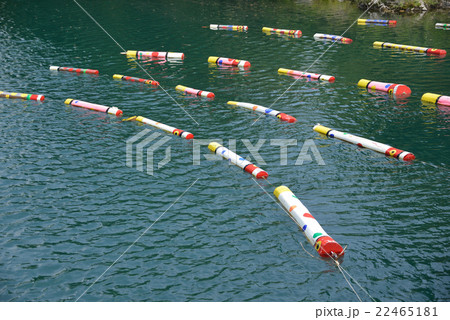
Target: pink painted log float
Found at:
x=77, y=70
x=134, y=79
x=393, y=89
x=229, y=62
x=436, y=99
x=92, y=106
x=314, y=76
x=195, y=92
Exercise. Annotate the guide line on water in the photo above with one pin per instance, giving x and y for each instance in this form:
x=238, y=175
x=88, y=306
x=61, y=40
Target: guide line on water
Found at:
x=137, y=239
x=307, y=69
x=140, y=66
x=334, y=257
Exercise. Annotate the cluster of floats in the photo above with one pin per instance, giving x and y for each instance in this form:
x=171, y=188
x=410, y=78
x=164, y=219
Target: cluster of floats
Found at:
x=326, y=246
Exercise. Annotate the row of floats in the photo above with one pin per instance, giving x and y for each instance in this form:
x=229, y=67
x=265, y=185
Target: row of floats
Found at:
x=325, y=245
x=361, y=142
x=395, y=90
x=314, y=233
x=336, y=38
x=298, y=33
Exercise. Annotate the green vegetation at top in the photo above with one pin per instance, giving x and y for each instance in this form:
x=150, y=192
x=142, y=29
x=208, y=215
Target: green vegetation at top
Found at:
x=404, y=5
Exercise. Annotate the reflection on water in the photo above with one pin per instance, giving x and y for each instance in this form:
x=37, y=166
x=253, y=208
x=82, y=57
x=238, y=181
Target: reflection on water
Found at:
x=221, y=71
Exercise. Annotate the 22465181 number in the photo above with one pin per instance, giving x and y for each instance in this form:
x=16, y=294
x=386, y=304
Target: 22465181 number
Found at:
x=406, y=311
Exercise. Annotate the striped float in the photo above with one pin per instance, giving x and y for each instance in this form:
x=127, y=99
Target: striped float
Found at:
x=227, y=27
x=377, y=21
x=24, y=96
x=325, y=245
x=314, y=76
x=445, y=26
x=229, y=62
x=177, y=132
x=366, y=143
x=77, y=70
x=393, y=89
x=93, y=106
x=264, y=110
x=195, y=92
x=332, y=37
x=133, y=79
x=154, y=55
x=436, y=99
x=439, y=52
x=294, y=33
x=237, y=160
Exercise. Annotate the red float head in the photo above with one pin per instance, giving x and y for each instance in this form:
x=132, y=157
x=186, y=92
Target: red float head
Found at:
x=409, y=157
x=437, y=52
x=286, y=117
x=189, y=136
x=327, y=247
x=400, y=91
x=347, y=40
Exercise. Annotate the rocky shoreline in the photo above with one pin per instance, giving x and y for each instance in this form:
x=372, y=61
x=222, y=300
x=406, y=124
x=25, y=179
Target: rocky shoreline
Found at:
x=403, y=5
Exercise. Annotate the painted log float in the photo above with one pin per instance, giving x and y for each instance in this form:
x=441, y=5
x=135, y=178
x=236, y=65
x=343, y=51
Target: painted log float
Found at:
x=237, y=160
x=154, y=55
x=436, y=99
x=271, y=112
x=229, y=27
x=393, y=89
x=326, y=246
x=286, y=32
x=429, y=51
x=366, y=143
x=242, y=64
x=76, y=70
x=377, y=22
x=23, y=96
x=195, y=92
x=169, y=129
x=314, y=76
x=93, y=106
x=444, y=26
x=134, y=79
x=332, y=37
